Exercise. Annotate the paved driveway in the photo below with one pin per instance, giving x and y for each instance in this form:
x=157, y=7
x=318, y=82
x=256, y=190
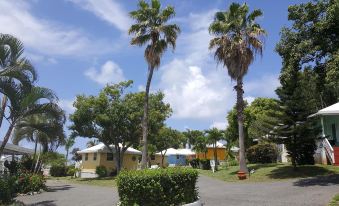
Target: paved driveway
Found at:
x=310, y=192
x=62, y=194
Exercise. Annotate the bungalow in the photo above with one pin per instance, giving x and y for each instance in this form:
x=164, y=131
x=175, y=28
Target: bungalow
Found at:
x=328, y=145
x=100, y=155
x=177, y=157
x=221, y=152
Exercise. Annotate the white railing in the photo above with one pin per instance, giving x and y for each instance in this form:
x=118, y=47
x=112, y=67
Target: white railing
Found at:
x=329, y=150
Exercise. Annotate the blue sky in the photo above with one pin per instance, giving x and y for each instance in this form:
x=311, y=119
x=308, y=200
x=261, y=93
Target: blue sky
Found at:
x=78, y=46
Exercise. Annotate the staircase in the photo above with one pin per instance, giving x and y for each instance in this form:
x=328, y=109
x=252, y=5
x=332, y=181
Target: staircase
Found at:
x=330, y=153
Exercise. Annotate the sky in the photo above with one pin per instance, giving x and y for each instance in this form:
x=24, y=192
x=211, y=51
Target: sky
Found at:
x=79, y=46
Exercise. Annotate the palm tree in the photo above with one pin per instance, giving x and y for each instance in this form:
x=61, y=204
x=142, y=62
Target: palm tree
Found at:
x=92, y=143
x=213, y=136
x=237, y=40
x=39, y=128
x=68, y=144
x=13, y=67
x=25, y=103
x=151, y=29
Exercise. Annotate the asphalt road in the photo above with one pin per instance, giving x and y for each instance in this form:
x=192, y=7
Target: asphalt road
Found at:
x=311, y=192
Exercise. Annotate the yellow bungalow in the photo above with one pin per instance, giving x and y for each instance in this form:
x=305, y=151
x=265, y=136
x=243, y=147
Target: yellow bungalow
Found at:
x=99, y=155
x=221, y=152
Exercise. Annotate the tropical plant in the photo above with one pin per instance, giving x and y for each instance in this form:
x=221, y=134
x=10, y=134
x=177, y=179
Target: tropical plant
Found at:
x=76, y=157
x=25, y=103
x=14, y=69
x=213, y=136
x=151, y=29
x=200, y=144
x=92, y=143
x=68, y=144
x=40, y=128
x=237, y=39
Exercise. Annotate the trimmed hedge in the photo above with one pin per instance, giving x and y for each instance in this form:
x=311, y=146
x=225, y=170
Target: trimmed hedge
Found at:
x=262, y=153
x=171, y=186
x=58, y=171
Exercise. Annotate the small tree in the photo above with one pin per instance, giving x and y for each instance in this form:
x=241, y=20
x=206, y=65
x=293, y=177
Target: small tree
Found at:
x=166, y=138
x=213, y=136
x=200, y=144
x=75, y=156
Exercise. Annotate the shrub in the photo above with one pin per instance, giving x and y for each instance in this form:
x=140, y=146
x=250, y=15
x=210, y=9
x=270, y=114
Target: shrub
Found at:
x=71, y=170
x=7, y=189
x=58, y=171
x=28, y=182
x=101, y=171
x=232, y=162
x=194, y=163
x=205, y=164
x=171, y=186
x=262, y=153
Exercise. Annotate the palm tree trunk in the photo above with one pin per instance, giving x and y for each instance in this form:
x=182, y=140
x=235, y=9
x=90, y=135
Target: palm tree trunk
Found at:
x=240, y=114
x=145, y=120
x=215, y=156
x=6, y=138
x=35, y=149
x=3, y=107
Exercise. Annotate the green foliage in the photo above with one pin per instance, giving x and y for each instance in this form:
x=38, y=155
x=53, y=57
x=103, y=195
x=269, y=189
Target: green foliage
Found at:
x=114, y=117
x=58, y=170
x=171, y=186
x=204, y=164
x=71, y=170
x=28, y=182
x=194, y=163
x=53, y=158
x=101, y=171
x=7, y=189
x=12, y=167
x=262, y=153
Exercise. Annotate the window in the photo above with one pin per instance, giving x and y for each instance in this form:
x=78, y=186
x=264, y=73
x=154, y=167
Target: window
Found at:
x=178, y=157
x=109, y=157
x=95, y=156
x=152, y=157
x=134, y=158
x=86, y=156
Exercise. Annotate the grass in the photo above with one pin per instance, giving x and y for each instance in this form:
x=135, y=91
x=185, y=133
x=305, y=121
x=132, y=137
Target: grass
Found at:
x=335, y=201
x=104, y=182
x=271, y=172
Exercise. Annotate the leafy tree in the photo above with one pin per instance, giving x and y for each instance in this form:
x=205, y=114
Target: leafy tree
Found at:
x=237, y=39
x=92, y=143
x=75, y=156
x=114, y=117
x=312, y=43
x=151, y=29
x=166, y=138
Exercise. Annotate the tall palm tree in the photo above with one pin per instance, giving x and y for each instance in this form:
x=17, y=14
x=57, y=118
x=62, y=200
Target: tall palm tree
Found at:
x=13, y=67
x=25, y=103
x=237, y=40
x=69, y=142
x=151, y=29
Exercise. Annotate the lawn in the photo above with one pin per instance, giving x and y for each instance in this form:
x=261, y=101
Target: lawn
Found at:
x=271, y=172
x=105, y=181
x=335, y=201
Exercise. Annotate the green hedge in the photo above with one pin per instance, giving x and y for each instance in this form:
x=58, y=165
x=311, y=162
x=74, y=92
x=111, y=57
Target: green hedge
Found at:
x=101, y=171
x=262, y=153
x=58, y=171
x=7, y=189
x=171, y=186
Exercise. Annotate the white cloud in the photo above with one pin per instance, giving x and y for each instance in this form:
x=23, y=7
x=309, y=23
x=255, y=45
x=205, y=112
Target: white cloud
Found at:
x=67, y=105
x=249, y=99
x=108, y=10
x=219, y=125
x=264, y=86
x=46, y=37
x=109, y=72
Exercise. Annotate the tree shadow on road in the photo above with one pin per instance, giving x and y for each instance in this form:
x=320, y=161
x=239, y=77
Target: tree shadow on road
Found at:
x=59, y=188
x=287, y=172
x=318, y=181
x=43, y=203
